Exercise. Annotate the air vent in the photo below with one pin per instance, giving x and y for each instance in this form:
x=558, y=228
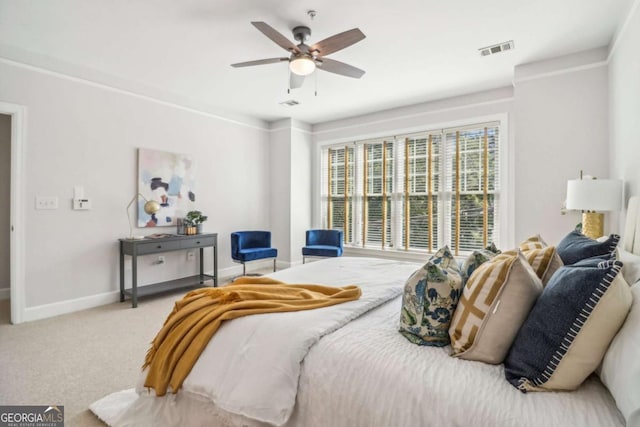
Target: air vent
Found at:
x=497, y=48
x=289, y=103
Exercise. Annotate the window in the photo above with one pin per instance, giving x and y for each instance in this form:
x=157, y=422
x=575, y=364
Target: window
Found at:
x=378, y=187
x=415, y=192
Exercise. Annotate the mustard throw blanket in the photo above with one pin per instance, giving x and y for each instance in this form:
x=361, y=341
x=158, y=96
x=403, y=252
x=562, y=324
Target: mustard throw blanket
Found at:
x=198, y=315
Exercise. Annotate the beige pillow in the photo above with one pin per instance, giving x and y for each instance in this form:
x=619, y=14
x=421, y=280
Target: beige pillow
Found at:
x=495, y=302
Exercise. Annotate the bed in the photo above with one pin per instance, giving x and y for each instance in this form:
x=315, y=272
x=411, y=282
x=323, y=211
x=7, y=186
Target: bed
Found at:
x=355, y=370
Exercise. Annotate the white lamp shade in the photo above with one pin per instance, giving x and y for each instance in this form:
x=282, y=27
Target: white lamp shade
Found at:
x=302, y=66
x=596, y=195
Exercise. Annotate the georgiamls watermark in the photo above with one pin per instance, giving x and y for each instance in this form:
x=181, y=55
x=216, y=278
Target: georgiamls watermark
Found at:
x=31, y=416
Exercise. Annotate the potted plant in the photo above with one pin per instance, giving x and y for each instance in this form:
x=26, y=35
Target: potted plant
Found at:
x=193, y=222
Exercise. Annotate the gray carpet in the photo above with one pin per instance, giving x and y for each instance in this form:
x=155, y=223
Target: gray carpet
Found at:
x=78, y=358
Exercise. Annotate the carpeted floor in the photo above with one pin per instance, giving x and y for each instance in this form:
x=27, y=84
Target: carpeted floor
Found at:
x=77, y=358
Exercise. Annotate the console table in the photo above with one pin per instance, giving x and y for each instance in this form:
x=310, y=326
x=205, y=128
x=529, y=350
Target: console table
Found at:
x=135, y=248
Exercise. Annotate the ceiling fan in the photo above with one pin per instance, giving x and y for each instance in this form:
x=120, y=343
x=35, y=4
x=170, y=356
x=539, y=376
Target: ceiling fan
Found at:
x=305, y=59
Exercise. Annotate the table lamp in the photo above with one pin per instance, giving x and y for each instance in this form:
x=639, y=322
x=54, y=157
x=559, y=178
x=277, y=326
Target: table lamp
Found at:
x=593, y=196
x=150, y=207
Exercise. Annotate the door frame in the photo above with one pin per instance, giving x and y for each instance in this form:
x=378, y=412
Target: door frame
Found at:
x=18, y=115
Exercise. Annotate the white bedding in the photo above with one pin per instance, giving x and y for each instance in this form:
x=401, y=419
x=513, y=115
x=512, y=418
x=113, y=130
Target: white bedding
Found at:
x=251, y=366
x=367, y=374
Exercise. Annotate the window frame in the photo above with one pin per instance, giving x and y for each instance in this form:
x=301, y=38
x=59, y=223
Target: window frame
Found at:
x=505, y=180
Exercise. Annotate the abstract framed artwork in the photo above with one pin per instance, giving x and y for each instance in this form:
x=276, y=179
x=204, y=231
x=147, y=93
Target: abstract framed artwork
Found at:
x=169, y=179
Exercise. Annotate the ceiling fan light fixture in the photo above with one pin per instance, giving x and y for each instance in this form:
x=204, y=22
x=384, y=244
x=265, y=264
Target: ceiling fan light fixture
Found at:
x=302, y=66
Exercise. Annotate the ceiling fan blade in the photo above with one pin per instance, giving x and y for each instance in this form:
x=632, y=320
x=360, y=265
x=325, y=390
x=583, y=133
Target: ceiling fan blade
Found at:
x=337, y=42
x=259, y=62
x=276, y=37
x=337, y=67
x=295, y=81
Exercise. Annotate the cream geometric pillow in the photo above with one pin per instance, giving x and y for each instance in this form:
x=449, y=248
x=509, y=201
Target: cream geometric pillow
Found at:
x=543, y=258
x=545, y=262
x=495, y=302
x=533, y=242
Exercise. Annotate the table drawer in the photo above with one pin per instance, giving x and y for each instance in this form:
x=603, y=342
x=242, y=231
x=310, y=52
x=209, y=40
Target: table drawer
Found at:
x=155, y=247
x=198, y=242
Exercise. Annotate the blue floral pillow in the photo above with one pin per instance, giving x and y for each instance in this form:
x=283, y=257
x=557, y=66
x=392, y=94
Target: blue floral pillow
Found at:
x=576, y=247
x=476, y=259
x=430, y=297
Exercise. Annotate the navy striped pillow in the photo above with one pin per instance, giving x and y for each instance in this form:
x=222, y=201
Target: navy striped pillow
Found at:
x=570, y=327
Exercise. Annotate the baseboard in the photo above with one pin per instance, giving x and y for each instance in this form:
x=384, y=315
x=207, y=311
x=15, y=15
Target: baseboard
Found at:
x=285, y=264
x=228, y=273
x=236, y=270
x=5, y=293
x=69, y=306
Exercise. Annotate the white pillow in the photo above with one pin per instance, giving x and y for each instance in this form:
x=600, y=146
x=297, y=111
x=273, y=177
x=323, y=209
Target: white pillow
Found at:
x=620, y=370
x=631, y=268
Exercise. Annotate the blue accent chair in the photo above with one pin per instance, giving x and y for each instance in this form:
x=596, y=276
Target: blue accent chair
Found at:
x=249, y=246
x=322, y=243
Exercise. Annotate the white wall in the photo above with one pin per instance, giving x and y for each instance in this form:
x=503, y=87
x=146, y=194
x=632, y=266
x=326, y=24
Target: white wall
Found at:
x=291, y=186
x=280, y=200
x=561, y=127
x=624, y=106
x=5, y=179
x=84, y=134
x=301, y=155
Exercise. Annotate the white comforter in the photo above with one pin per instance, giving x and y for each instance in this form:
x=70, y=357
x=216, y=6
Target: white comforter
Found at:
x=251, y=366
x=363, y=374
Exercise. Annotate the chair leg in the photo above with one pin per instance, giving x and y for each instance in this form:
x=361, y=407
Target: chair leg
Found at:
x=274, y=265
x=303, y=259
x=244, y=269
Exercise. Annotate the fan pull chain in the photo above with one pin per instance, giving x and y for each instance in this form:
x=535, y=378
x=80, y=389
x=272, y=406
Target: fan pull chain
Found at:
x=316, y=81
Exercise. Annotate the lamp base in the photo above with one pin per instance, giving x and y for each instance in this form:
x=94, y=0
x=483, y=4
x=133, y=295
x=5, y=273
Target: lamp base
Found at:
x=592, y=224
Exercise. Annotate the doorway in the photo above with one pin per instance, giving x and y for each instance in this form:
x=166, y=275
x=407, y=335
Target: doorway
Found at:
x=13, y=226
x=5, y=222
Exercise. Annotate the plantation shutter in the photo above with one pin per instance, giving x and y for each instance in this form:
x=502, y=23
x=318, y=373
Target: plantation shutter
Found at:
x=377, y=177
x=473, y=168
x=339, y=177
x=422, y=158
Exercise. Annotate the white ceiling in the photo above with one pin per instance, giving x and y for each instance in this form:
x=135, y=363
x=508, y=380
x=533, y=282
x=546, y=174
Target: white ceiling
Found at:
x=415, y=50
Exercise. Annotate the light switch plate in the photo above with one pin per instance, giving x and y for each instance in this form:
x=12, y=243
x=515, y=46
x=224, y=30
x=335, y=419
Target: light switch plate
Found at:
x=46, y=202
